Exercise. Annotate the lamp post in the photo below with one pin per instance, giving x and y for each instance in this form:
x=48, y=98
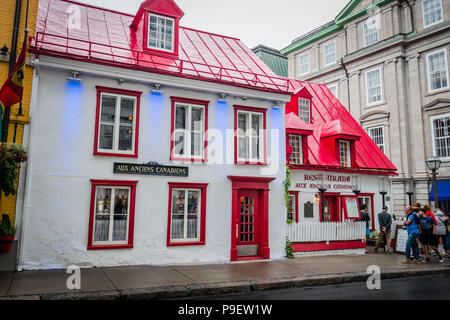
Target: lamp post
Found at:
x=434, y=164
x=382, y=188
x=410, y=189
x=356, y=185
x=322, y=186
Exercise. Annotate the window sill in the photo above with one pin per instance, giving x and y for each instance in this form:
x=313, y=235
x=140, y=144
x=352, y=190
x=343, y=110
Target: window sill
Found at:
x=376, y=104
x=115, y=154
x=110, y=247
x=437, y=91
x=189, y=160
x=248, y=163
x=185, y=244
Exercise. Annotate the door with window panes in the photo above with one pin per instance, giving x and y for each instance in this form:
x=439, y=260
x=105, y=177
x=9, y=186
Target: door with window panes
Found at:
x=247, y=224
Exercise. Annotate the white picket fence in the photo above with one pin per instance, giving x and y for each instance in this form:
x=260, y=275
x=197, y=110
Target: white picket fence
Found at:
x=326, y=231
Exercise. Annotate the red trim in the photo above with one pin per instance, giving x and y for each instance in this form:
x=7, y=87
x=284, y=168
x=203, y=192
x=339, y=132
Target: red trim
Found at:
x=251, y=183
x=202, y=187
x=112, y=183
x=250, y=109
x=136, y=94
x=339, y=169
x=256, y=258
x=295, y=193
x=336, y=196
x=203, y=103
x=345, y=210
x=371, y=195
x=323, y=246
x=152, y=51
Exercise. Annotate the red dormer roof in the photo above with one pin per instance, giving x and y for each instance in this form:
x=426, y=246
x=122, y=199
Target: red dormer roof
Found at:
x=295, y=125
x=162, y=7
x=331, y=120
x=105, y=37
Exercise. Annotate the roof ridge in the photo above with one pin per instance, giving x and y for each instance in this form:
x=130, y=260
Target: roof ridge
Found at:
x=97, y=7
x=210, y=33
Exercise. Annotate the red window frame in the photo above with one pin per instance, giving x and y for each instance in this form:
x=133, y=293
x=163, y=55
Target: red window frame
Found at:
x=203, y=188
x=112, y=183
x=345, y=210
x=176, y=36
x=295, y=193
x=352, y=152
x=310, y=107
x=263, y=111
x=371, y=195
x=203, y=103
x=114, y=153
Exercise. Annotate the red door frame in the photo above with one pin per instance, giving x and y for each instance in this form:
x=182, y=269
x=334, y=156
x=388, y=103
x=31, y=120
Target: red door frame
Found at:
x=336, y=196
x=371, y=195
x=261, y=185
x=256, y=220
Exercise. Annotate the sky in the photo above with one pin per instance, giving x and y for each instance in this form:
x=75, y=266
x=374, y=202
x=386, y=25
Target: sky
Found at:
x=274, y=23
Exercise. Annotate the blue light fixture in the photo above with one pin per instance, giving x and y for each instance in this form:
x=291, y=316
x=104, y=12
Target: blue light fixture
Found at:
x=156, y=89
x=222, y=97
x=74, y=77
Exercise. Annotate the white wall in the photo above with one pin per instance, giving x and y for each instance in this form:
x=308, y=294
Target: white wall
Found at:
x=63, y=163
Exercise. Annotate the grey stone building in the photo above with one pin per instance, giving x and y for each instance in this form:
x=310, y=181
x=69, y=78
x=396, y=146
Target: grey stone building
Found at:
x=388, y=63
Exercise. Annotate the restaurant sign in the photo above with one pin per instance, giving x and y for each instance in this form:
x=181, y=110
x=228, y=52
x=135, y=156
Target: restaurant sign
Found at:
x=333, y=183
x=150, y=169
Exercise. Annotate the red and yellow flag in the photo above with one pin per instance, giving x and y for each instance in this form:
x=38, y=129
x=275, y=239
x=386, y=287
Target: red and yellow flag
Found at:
x=12, y=90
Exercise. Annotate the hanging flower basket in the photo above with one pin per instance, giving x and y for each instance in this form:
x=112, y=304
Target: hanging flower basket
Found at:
x=10, y=160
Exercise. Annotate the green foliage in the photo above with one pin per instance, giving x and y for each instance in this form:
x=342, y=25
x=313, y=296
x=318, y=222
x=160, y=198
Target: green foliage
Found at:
x=374, y=235
x=289, y=250
x=10, y=160
x=287, y=186
x=6, y=229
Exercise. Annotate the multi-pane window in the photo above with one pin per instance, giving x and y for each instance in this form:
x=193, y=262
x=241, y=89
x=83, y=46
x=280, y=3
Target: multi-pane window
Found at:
x=345, y=154
x=373, y=86
x=296, y=157
x=334, y=90
x=437, y=70
x=304, y=109
x=250, y=133
x=112, y=214
x=304, y=63
x=291, y=207
x=441, y=136
x=161, y=33
x=330, y=53
x=189, y=131
x=185, y=215
x=370, y=30
x=432, y=12
x=377, y=135
x=117, y=123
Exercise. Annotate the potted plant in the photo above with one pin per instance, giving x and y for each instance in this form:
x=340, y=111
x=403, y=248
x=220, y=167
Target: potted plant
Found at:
x=7, y=233
x=373, y=239
x=10, y=161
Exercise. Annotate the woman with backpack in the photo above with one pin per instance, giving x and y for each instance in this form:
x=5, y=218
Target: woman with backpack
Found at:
x=428, y=235
x=441, y=229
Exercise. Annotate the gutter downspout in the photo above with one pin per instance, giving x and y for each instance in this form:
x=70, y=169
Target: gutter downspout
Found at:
x=12, y=62
x=348, y=82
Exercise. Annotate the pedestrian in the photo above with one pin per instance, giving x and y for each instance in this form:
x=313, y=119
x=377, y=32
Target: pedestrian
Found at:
x=415, y=210
x=366, y=218
x=385, y=221
x=428, y=235
x=441, y=229
x=429, y=212
x=413, y=233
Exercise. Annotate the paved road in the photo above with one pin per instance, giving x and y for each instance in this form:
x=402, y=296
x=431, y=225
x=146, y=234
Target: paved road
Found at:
x=429, y=287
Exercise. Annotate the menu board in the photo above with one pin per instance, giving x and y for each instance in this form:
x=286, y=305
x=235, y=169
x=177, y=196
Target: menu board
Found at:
x=400, y=239
x=352, y=208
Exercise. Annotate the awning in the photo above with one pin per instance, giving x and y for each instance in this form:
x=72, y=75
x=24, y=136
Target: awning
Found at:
x=443, y=188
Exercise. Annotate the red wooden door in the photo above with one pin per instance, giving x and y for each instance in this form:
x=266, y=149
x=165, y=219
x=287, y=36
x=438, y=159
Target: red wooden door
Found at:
x=331, y=213
x=247, y=232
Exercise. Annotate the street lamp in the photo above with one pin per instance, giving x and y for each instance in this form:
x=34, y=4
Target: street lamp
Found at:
x=383, y=188
x=434, y=164
x=356, y=185
x=410, y=189
x=322, y=186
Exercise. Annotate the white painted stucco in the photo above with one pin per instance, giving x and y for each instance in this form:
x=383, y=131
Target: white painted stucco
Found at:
x=62, y=164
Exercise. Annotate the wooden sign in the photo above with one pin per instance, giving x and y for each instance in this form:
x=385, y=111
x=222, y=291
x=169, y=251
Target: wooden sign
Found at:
x=401, y=237
x=150, y=170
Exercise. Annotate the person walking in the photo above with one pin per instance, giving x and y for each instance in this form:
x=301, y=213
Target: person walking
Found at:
x=428, y=235
x=441, y=229
x=413, y=233
x=366, y=218
x=385, y=221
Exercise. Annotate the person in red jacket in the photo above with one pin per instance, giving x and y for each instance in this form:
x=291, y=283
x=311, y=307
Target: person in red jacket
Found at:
x=430, y=213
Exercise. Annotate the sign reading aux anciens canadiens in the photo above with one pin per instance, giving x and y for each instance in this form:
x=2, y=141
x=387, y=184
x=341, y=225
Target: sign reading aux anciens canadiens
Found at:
x=150, y=169
x=336, y=183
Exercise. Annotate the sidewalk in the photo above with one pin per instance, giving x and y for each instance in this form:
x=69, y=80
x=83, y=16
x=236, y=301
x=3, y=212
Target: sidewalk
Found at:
x=150, y=282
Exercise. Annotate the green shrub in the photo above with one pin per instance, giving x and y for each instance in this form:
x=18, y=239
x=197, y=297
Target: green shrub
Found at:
x=10, y=160
x=6, y=229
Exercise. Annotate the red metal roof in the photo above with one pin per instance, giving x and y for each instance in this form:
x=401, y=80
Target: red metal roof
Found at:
x=104, y=36
x=296, y=125
x=330, y=118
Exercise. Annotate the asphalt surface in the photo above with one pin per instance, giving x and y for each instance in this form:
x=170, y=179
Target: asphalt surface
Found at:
x=415, y=288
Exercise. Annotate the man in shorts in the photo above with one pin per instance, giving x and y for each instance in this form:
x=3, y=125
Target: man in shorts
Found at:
x=428, y=235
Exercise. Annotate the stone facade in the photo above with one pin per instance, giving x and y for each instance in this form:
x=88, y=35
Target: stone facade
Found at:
x=407, y=104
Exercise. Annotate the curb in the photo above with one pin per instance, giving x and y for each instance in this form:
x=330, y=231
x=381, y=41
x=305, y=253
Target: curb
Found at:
x=198, y=290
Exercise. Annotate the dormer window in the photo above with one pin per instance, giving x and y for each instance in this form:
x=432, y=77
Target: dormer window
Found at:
x=161, y=33
x=304, y=109
x=345, y=154
x=295, y=141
